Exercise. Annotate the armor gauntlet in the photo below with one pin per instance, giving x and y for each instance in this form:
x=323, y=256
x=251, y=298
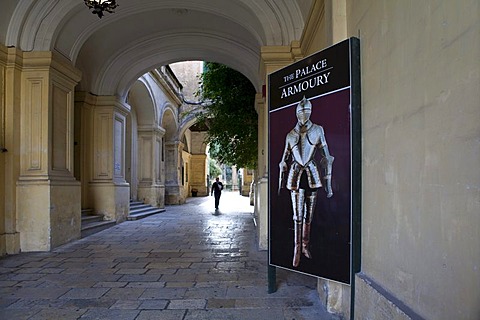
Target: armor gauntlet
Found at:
x=282, y=178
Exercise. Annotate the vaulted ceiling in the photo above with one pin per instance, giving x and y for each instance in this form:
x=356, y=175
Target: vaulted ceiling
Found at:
x=114, y=51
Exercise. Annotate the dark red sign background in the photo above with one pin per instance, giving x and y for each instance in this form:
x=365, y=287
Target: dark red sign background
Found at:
x=335, y=229
x=330, y=233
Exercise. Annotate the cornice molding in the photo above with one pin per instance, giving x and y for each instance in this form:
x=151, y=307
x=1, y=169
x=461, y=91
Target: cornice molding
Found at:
x=102, y=101
x=44, y=60
x=166, y=87
x=151, y=128
x=3, y=55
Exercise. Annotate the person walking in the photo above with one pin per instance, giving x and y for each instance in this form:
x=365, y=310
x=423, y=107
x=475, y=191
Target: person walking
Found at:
x=217, y=188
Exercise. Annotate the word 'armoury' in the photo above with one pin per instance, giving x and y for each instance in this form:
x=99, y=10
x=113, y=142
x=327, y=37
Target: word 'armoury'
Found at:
x=314, y=79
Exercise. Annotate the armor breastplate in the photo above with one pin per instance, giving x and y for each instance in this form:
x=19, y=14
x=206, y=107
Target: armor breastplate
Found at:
x=304, y=143
x=303, y=151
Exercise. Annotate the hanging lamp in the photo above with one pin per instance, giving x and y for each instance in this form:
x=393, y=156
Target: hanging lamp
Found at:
x=99, y=6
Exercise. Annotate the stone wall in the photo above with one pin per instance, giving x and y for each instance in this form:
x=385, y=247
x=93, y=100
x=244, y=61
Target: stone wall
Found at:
x=421, y=178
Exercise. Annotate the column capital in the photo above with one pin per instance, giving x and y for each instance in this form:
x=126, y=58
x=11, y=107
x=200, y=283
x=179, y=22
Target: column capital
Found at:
x=174, y=143
x=3, y=55
x=155, y=128
x=199, y=156
x=276, y=57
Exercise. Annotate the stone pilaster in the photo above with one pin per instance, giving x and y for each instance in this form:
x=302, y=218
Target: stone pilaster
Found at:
x=273, y=58
x=336, y=20
x=103, y=145
x=10, y=86
x=47, y=194
x=173, y=186
x=261, y=188
x=186, y=170
x=151, y=189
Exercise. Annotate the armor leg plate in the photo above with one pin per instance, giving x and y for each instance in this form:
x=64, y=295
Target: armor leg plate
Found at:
x=298, y=205
x=298, y=202
x=310, y=202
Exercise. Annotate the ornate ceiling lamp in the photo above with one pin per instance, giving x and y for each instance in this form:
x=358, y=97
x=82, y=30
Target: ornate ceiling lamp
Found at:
x=98, y=6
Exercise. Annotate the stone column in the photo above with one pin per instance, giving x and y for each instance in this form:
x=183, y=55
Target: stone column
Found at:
x=10, y=86
x=234, y=178
x=48, y=196
x=273, y=58
x=261, y=189
x=173, y=185
x=151, y=189
x=3, y=218
x=185, y=178
x=335, y=20
x=103, y=144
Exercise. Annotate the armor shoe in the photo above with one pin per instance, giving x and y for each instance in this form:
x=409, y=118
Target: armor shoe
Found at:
x=306, y=240
x=297, y=249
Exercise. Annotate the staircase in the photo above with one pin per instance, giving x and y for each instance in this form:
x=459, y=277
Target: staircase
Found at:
x=139, y=210
x=93, y=223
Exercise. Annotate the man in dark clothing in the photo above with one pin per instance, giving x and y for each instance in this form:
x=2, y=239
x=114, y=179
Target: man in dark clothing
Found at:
x=217, y=188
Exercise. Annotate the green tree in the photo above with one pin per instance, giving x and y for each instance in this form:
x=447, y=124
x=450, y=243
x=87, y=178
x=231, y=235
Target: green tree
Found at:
x=229, y=115
x=213, y=169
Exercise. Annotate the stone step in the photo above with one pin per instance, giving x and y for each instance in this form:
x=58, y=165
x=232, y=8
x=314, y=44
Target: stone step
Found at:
x=139, y=206
x=87, y=212
x=94, y=227
x=93, y=223
x=142, y=209
x=139, y=210
x=86, y=219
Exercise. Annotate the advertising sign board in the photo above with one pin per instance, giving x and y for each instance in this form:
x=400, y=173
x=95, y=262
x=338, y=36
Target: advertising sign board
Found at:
x=314, y=164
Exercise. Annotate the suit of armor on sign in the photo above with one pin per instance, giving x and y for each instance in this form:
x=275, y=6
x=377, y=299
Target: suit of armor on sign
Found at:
x=299, y=174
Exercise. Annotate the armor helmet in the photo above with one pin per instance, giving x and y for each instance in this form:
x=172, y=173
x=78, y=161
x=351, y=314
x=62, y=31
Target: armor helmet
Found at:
x=304, y=110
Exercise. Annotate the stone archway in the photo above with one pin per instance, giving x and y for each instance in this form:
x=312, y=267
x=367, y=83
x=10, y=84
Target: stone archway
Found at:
x=146, y=181
x=99, y=61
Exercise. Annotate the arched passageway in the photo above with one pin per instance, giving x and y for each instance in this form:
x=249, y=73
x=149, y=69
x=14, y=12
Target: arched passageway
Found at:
x=420, y=136
x=122, y=144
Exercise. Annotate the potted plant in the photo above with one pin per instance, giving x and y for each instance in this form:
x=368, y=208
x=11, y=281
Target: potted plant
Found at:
x=194, y=192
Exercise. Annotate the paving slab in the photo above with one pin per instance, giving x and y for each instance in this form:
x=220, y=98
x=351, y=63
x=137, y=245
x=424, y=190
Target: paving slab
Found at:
x=101, y=313
x=188, y=262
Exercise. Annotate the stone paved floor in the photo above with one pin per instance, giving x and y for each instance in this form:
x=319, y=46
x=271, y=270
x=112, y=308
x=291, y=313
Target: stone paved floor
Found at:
x=185, y=263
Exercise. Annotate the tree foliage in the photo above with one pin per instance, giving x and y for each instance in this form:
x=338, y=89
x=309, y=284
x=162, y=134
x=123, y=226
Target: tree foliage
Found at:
x=229, y=116
x=213, y=169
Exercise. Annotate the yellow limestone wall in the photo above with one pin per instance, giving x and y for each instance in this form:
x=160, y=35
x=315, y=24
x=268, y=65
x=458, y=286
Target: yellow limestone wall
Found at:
x=421, y=177
x=420, y=77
